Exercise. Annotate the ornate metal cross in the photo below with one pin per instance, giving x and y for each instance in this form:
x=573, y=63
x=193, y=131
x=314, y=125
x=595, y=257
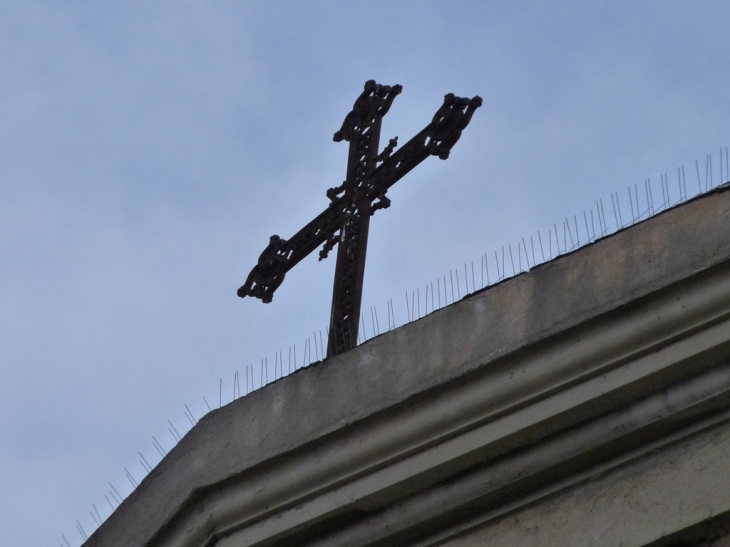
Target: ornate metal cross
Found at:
x=346, y=221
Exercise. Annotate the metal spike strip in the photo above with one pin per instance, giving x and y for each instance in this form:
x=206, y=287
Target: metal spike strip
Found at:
x=641, y=205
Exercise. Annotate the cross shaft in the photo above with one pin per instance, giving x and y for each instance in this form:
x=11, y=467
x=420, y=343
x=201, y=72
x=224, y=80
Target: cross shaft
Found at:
x=346, y=221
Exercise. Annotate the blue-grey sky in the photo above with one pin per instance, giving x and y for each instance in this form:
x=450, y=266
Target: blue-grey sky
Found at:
x=149, y=149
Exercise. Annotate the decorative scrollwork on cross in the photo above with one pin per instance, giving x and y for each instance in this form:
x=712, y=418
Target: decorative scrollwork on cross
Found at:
x=373, y=103
x=346, y=221
x=268, y=273
x=448, y=123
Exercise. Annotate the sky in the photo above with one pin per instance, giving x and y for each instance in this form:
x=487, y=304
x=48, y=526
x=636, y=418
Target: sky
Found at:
x=149, y=149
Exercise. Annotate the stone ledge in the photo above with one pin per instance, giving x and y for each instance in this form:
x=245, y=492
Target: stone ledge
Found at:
x=412, y=390
x=661, y=499
x=500, y=453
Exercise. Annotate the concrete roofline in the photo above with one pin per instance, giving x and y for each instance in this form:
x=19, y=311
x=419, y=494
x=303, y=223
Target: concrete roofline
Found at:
x=444, y=347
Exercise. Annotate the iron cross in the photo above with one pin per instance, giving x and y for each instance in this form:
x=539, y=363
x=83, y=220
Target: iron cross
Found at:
x=347, y=218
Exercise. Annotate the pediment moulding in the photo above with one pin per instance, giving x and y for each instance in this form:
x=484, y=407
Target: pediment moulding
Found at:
x=507, y=397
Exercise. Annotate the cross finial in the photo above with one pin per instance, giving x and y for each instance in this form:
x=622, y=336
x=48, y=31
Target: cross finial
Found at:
x=346, y=221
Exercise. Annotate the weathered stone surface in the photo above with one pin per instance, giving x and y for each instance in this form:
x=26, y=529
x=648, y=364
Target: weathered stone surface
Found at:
x=588, y=358
x=631, y=505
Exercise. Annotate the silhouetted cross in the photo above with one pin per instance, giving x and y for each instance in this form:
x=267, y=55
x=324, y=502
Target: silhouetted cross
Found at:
x=346, y=221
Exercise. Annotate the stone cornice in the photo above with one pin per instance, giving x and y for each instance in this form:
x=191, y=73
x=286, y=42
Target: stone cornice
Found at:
x=632, y=375
x=490, y=401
